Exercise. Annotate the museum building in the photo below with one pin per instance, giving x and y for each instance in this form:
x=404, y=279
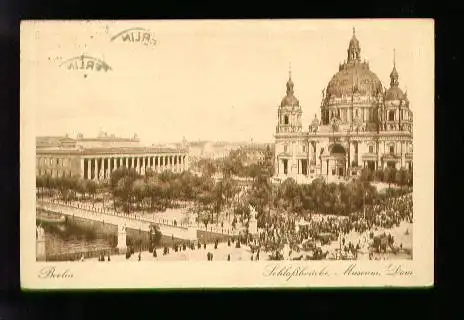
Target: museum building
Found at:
x=96, y=158
x=362, y=124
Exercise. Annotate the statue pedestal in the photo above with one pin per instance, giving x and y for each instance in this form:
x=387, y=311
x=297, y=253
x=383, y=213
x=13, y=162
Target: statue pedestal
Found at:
x=192, y=233
x=122, y=236
x=253, y=223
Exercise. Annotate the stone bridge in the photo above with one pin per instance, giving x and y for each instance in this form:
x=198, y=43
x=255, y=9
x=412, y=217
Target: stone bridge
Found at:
x=119, y=219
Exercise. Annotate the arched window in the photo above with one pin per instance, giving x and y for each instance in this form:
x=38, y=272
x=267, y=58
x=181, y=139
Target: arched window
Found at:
x=371, y=149
x=285, y=119
x=392, y=148
x=391, y=115
x=285, y=148
x=304, y=148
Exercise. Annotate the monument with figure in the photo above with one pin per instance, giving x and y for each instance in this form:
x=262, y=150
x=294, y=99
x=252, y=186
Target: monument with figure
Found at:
x=253, y=223
x=122, y=244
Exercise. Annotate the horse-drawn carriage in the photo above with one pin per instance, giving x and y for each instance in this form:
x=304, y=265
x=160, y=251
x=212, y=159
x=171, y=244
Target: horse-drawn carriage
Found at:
x=308, y=245
x=381, y=242
x=326, y=237
x=318, y=254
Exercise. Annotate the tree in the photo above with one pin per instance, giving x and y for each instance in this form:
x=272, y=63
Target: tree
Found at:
x=366, y=175
x=40, y=185
x=379, y=175
x=410, y=176
x=139, y=191
x=401, y=177
x=389, y=176
x=92, y=188
x=121, y=181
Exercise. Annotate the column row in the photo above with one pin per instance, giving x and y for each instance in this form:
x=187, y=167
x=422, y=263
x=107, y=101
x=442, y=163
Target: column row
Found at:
x=100, y=168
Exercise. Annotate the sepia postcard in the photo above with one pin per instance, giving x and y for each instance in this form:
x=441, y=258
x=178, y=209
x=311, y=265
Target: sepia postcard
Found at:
x=227, y=154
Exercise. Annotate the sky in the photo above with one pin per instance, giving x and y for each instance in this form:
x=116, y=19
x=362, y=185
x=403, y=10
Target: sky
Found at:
x=205, y=80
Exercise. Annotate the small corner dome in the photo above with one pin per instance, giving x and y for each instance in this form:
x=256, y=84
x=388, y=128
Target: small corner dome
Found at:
x=290, y=100
x=394, y=93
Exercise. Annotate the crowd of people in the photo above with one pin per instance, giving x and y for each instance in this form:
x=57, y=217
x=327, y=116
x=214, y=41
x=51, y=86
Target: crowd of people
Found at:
x=280, y=230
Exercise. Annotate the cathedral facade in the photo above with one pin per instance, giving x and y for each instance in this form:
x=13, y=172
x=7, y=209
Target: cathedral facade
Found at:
x=361, y=124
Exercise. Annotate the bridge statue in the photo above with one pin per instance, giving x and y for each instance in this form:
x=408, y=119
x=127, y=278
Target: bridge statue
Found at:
x=122, y=235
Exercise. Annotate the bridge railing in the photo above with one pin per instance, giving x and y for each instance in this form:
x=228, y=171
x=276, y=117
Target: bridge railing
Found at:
x=97, y=211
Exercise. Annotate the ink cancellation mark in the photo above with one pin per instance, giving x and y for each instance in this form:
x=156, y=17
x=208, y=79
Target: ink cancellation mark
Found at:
x=136, y=35
x=86, y=63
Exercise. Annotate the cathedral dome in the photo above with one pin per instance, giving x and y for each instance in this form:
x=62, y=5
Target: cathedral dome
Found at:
x=354, y=75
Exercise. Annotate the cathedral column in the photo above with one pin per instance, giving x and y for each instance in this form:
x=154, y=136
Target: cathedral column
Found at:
x=352, y=153
x=379, y=163
x=403, y=154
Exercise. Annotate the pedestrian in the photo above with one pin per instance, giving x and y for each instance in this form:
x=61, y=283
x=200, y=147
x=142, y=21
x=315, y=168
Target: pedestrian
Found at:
x=140, y=256
x=228, y=257
x=154, y=253
x=204, y=245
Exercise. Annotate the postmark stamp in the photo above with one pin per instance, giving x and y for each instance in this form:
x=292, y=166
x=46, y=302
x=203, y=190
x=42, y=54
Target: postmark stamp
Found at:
x=86, y=63
x=136, y=35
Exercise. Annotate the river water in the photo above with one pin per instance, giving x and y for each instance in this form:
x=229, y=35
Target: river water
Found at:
x=64, y=240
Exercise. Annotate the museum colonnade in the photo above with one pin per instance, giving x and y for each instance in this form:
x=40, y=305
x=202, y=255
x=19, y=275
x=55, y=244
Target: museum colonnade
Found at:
x=99, y=168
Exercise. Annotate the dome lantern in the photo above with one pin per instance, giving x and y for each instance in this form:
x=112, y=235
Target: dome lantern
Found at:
x=290, y=82
x=394, y=74
x=354, y=50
